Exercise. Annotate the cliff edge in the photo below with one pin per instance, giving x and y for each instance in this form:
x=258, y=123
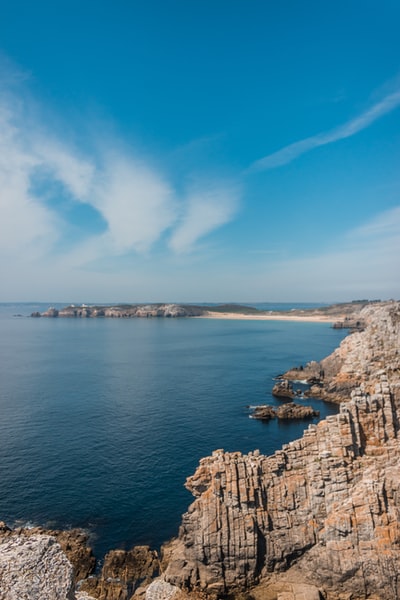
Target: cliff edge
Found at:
x=324, y=510
x=319, y=519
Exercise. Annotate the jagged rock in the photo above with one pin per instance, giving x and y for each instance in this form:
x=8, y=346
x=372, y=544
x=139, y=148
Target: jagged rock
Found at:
x=290, y=410
x=51, y=312
x=34, y=567
x=4, y=529
x=161, y=590
x=264, y=412
x=320, y=516
x=283, y=389
x=72, y=541
x=324, y=510
x=122, y=572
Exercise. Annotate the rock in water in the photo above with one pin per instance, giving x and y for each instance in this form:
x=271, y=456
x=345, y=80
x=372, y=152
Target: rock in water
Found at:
x=290, y=410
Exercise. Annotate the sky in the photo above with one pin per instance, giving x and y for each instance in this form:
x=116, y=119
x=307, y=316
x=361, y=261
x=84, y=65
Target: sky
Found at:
x=199, y=150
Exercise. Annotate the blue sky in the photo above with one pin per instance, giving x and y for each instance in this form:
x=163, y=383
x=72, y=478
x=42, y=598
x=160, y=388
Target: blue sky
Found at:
x=196, y=150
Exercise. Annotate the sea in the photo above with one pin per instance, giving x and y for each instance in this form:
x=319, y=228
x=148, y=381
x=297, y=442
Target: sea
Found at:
x=102, y=420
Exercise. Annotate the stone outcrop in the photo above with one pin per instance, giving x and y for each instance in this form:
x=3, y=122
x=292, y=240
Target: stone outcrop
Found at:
x=283, y=389
x=34, y=567
x=73, y=542
x=122, y=573
x=40, y=564
x=289, y=410
x=324, y=511
x=125, y=311
x=320, y=518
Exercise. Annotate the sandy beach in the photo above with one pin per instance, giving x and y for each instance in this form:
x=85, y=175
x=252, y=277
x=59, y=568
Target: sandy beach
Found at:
x=270, y=317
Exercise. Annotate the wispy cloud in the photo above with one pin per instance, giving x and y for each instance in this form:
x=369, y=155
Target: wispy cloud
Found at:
x=292, y=151
x=66, y=165
x=26, y=227
x=137, y=203
x=204, y=212
x=364, y=261
x=385, y=226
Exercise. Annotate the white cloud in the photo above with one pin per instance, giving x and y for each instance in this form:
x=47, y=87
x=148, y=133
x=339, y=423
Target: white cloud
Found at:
x=75, y=172
x=137, y=203
x=292, y=151
x=26, y=227
x=205, y=211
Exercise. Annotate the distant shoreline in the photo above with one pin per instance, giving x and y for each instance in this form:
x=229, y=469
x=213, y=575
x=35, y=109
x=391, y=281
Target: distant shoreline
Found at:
x=340, y=315
x=268, y=317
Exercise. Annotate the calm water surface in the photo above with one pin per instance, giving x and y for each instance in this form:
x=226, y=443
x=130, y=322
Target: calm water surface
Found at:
x=102, y=420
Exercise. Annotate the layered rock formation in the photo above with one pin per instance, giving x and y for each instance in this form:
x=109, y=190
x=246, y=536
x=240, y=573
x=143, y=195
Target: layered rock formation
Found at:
x=320, y=518
x=323, y=511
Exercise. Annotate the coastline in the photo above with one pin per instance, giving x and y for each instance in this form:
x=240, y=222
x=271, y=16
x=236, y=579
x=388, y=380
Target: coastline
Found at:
x=270, y=317
x=331, y=473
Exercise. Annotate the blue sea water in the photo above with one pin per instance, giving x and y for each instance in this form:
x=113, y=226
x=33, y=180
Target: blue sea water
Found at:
x=102, y=420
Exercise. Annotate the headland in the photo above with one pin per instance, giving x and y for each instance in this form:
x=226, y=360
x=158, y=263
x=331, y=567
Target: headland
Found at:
x=344, y=314
x=318, y=519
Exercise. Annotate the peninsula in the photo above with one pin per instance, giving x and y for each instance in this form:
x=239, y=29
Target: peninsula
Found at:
x=318, y=519
x=345, y=314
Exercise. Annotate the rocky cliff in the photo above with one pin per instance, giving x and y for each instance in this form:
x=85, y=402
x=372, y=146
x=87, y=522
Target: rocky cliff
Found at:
x=318, y=519
x=324, y=510
x=125, y=311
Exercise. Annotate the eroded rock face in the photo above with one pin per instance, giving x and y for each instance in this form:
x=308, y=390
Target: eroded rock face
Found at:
x=122, y=573
x=319, y=518
x=74, y=542
x=123, y=311
x=325, y=508
x=34, y=568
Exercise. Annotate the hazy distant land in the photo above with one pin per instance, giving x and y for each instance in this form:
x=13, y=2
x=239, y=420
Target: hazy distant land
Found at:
x=343, y=314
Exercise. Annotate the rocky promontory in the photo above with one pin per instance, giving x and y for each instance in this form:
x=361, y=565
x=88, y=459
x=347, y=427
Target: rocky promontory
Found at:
x=124, y=311
x=322, y=512
x=318, y=519
x=344, y=315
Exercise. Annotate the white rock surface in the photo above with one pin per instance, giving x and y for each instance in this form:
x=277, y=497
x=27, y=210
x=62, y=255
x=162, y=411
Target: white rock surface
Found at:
x=34, y=568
